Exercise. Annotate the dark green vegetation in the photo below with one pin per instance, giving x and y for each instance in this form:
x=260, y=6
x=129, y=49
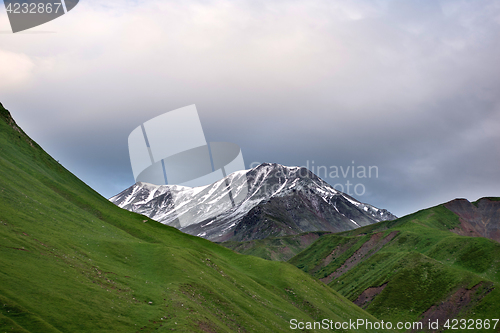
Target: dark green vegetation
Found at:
x=276, y=248
x=71, y=261
x=410, y=269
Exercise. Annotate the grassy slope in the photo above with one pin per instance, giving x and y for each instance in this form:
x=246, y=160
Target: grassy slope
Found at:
x=276, y=248
x=423, y=265
x=70, y=261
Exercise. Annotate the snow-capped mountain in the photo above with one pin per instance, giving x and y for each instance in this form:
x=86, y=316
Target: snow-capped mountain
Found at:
x=268, y=200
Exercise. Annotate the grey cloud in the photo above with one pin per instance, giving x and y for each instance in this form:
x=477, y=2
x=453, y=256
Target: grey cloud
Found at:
x=411, y=87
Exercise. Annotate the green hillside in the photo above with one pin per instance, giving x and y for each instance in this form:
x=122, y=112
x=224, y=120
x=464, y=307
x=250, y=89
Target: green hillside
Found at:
x=411, y=269
x=71, y=261
x=276, y=248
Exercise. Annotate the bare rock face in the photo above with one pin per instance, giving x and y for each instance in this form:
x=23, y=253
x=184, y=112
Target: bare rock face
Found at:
x=479, y=219
x=278, y=201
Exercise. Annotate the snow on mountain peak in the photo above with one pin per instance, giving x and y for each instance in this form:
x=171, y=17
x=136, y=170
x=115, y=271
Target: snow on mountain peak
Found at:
x=223, y=204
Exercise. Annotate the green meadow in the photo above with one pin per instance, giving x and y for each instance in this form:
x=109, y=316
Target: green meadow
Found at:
x=425, y=265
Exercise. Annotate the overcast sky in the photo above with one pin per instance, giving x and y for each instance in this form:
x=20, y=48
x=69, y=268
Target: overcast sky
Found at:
x=411, y=87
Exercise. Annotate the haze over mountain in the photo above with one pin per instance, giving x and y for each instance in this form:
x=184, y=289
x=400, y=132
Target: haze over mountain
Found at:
x=278, y=201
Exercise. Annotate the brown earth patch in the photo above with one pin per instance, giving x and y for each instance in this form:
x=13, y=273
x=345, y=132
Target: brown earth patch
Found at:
x=369, y=248
x=280, y=253
x=206, y=327
x=459, y=302
x=329, y=258
x=368, y=295
x=477, y=221
x=465, y=229
x=333, y=255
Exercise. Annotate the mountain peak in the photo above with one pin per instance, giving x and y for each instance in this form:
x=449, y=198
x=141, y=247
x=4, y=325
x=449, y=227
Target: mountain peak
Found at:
x=286, y=199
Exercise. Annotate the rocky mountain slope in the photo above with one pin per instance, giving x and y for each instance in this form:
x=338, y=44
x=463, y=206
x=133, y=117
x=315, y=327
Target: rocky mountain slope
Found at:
x=273, y=200
x=480, y=219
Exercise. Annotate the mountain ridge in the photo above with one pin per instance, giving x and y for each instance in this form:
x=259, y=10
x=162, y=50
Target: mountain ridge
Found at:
x=293, y=199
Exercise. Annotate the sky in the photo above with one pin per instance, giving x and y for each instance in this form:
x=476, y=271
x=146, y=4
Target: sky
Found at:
x=411, y=88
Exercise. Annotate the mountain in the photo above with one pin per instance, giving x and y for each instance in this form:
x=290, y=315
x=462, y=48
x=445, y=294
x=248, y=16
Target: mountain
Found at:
x=71, y=261
x=481, y=218
x=276, y=201
x=416, y=268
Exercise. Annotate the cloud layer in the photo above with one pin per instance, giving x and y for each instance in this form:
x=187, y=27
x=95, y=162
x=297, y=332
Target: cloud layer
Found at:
x=410, y=87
